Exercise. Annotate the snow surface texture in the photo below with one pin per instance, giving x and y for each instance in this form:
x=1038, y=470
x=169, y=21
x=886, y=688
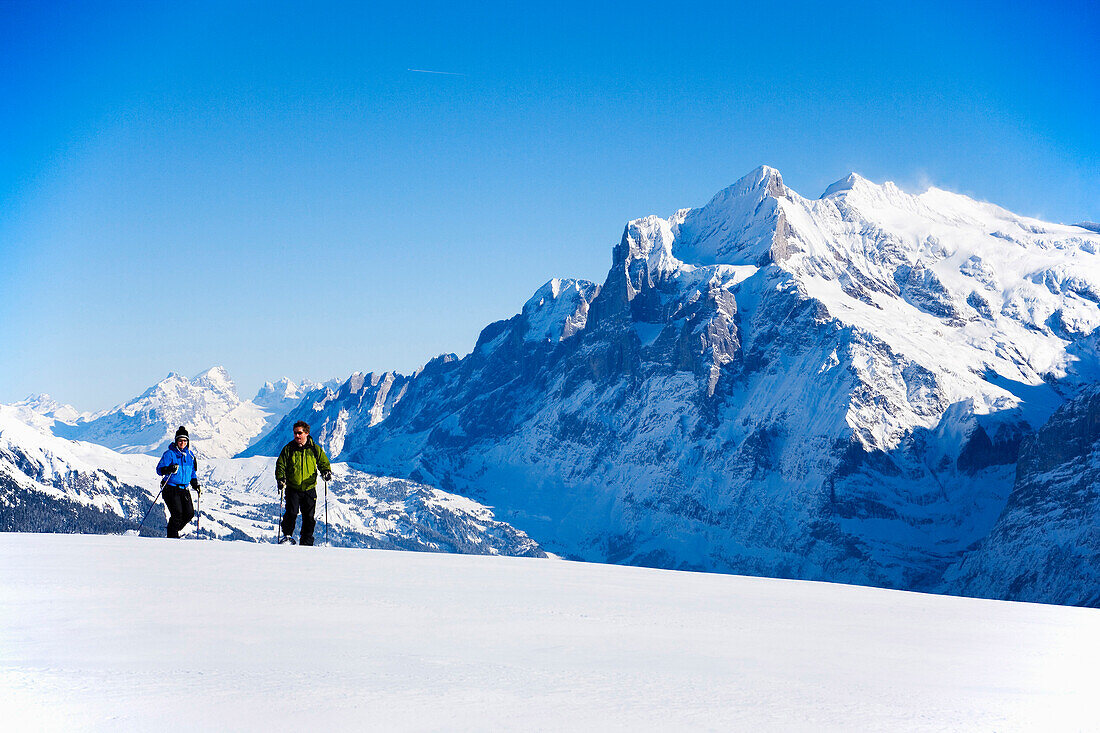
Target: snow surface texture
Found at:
x=115, y=633
x=52, y=485
x=219, y=422
x=832, y=388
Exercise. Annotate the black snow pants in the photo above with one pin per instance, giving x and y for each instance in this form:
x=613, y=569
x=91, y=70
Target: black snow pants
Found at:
x=178, y=501
x=307, y=502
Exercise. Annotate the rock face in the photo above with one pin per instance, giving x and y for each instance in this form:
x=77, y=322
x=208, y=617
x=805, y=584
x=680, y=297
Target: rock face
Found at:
x=830, y=389
x=1045, y=545
x=362, y=401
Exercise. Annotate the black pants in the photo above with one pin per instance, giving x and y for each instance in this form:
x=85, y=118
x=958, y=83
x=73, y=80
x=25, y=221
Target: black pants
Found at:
x=307, y=502
x=178, y=501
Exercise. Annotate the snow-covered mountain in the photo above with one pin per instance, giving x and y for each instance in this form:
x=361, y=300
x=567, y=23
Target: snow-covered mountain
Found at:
x=219, y=422
x=361, y=401
x=43, y=406
x=1046, y=543
x=363, y=510
x=49, y=484
x=831, y=388
x=278, y=398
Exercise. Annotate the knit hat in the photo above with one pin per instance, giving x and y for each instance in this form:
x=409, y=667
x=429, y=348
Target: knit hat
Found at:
x=182, y=433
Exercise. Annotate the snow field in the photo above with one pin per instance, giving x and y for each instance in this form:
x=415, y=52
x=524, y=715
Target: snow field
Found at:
x=121, y=633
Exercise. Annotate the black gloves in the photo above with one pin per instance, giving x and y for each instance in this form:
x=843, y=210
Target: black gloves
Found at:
x=195, y=484
x=170, y=469
x=326, y=475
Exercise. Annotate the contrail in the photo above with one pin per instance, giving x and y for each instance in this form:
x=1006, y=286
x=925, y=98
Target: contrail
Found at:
x=445, y=73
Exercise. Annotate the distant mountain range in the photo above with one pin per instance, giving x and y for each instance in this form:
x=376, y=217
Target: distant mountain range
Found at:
x=219, y=422
x=855, y=388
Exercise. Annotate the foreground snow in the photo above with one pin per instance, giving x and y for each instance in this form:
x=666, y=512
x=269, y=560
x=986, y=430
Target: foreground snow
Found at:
x=108, y=633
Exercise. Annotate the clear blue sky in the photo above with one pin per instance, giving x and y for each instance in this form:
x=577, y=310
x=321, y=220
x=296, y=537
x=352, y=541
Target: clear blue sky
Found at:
x=266, y=186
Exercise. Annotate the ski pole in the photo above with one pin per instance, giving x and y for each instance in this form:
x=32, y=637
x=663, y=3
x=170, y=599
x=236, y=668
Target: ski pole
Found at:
x=163, y=483
x=326, y=513
x=198, y=512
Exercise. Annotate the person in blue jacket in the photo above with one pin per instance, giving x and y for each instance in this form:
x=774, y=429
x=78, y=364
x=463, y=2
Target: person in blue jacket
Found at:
x=180, y=468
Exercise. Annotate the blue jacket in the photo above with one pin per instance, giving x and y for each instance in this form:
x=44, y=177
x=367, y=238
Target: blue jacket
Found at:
x=188, y=466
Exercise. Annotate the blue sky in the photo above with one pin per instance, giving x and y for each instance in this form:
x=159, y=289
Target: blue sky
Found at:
x=266, y=186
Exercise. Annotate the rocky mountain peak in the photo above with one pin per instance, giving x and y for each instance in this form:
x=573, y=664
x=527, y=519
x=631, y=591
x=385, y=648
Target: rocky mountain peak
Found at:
x=219, y=422
x=558, y=309
x=273, y=394
x=436, y=364
x=762, y=181
x=744, y=224
x=217, y=379
x=848, y=183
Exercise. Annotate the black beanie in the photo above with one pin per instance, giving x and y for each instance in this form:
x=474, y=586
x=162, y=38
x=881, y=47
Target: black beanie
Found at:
x=182, y=433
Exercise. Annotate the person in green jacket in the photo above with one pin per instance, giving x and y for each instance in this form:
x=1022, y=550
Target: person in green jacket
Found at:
x=296, y=474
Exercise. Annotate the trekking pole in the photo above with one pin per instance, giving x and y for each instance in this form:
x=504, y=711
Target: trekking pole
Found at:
x=326, y=513
x=163, y=483
x=198, y=513
x=279, y=534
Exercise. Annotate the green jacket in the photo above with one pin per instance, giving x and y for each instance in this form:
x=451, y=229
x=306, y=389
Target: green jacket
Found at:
x=298, y=466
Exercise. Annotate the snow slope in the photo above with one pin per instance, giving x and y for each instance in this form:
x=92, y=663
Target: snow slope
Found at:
x=106, y=633
x=48, y=484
